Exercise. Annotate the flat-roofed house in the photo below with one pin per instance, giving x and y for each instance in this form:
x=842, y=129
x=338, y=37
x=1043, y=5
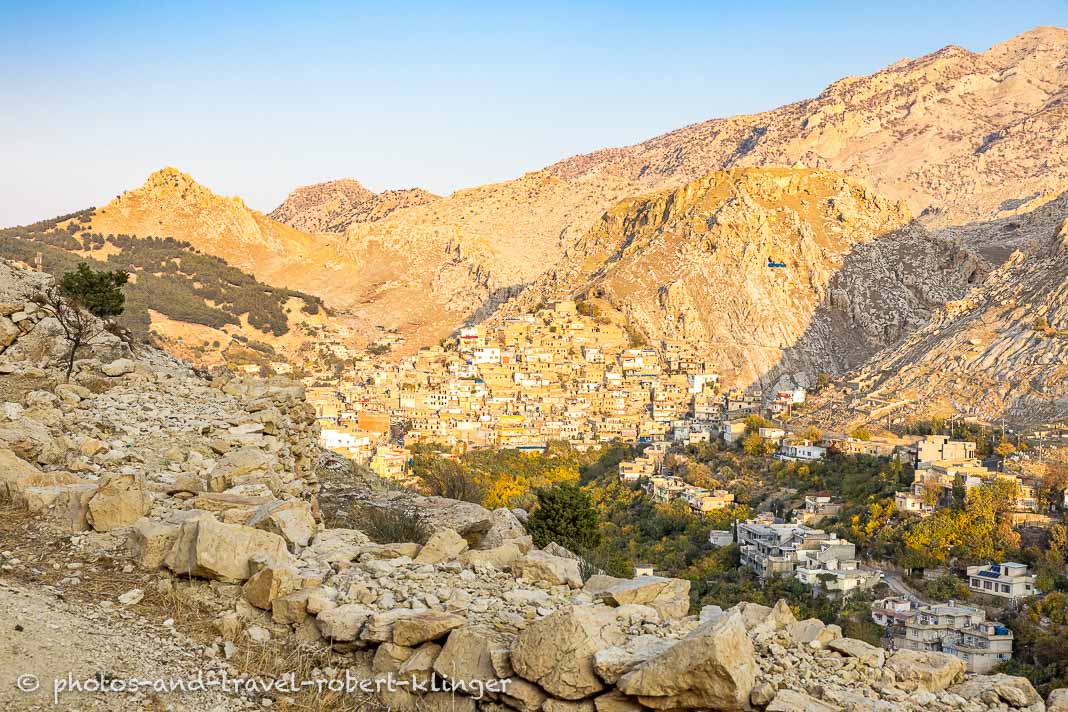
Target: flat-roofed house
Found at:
x=1008, y=580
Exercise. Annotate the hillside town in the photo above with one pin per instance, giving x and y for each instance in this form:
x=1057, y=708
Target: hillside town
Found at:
x=559, y=374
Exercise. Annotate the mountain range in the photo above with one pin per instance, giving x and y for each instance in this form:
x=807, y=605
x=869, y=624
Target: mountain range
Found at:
x=889, y=200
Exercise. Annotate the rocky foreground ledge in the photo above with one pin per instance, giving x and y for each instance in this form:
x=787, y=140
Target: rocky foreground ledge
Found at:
x=213, y=485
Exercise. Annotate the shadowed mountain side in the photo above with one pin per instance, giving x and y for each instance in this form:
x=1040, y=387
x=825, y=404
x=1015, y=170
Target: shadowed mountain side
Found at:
x=1021, y=224
x=885, y=290
x=1000, y=351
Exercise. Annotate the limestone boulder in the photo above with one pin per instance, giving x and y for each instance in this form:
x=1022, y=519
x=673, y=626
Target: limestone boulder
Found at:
x=443, y=545
x=425, y=626
x=997, y=689
x=466, y=656
x=713, y=667
x=930, y=671
x=208, y=548
x=240, y=466
x=292, y=608
x=793, y=701
x=389, y=657
x=336, y=546
x=149, y=542
x=523, y=696
x=557, y=652
x=615, y=662
x=501, y=557
x=291, y=519
x=120, y=500
x=420, y=665
x=759, y=620
x=504, y=527
x=553, y=570
x=343, y=623
x=379, y=627
x=865, y=653
x=1057, y=700
x=670, y=597
x=8, y=332
x=16, y=474
x=805, y=631
x=390, y=551
x=118, y=367
x=270, y=582
x=616, y=701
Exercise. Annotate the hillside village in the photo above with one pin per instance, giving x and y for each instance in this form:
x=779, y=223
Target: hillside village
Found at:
x=557, y=374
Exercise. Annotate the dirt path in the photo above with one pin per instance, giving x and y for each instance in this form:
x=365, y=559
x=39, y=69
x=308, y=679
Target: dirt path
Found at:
x=44, y=638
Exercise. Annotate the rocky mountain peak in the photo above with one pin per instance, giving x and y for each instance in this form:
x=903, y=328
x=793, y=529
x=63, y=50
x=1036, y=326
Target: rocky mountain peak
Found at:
x=171, y=186
x=315, y=208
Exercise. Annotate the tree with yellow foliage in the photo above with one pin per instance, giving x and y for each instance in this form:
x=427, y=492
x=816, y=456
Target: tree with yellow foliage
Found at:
x=504, y=491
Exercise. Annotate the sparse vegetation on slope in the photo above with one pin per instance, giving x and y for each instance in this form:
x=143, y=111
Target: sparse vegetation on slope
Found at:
x=167, y=276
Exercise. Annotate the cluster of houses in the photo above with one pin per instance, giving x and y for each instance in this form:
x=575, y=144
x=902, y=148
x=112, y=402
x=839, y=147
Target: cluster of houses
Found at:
x=943, y=466
x=648, y=469
x=549, y=376
x=956, y=628
x=771, y=546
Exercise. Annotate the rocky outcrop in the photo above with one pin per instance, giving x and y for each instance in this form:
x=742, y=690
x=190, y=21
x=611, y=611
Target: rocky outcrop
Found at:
x=931, y=672
x=558, y=651
x=669, y=597
x=712, y=667
x=1000, y=351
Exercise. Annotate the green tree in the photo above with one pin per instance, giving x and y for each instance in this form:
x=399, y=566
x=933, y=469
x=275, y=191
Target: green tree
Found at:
x=79, y=302
x=565, y=514
x=98, y=291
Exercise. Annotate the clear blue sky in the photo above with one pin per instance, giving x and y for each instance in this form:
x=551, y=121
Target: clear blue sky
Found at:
x=255, y=98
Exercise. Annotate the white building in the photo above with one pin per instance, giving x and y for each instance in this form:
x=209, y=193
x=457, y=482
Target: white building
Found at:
x=812, y=556
x=804, y=450
x=1008, y=580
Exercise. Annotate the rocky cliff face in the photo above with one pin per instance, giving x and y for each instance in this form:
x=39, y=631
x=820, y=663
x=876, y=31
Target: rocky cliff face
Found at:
x=700, y=265
x=1000, y=350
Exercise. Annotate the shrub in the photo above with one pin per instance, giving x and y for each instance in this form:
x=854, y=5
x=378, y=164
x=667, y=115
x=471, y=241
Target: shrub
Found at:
x=565, y=514
x=392, y=526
